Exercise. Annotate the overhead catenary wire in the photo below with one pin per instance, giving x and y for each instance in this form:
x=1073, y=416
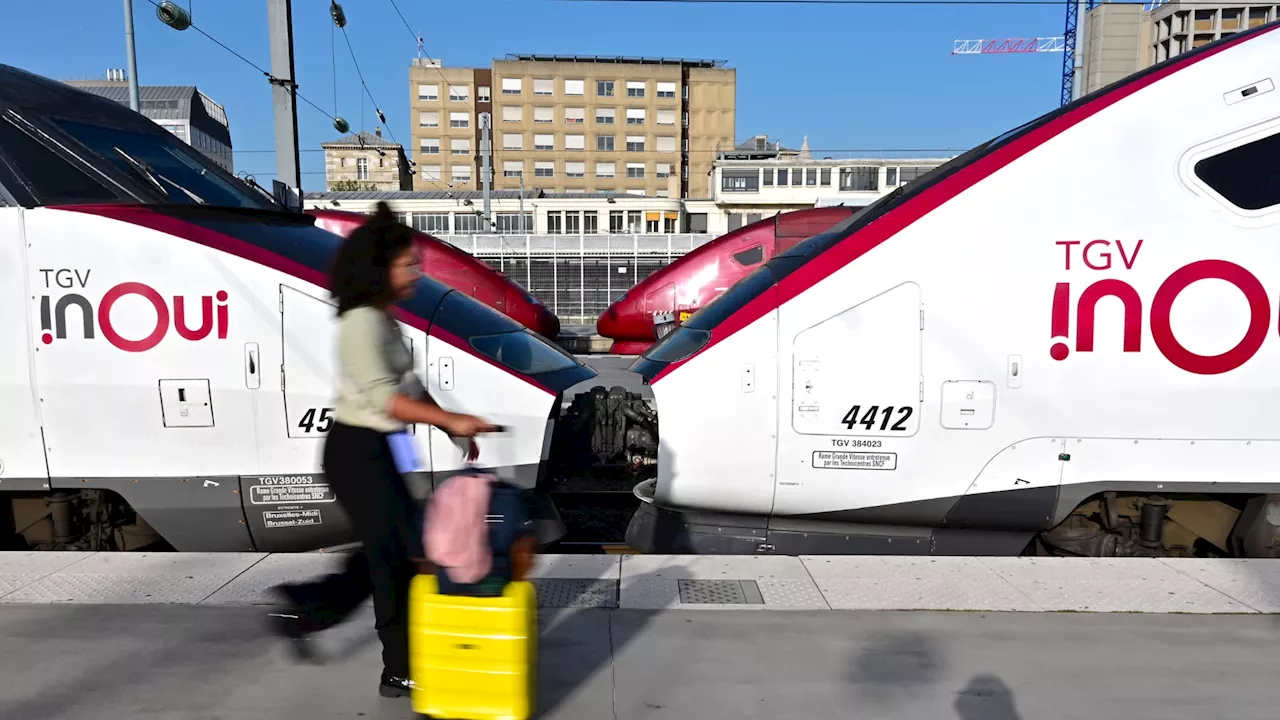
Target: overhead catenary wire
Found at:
x=253, y=65
x=1011, y=3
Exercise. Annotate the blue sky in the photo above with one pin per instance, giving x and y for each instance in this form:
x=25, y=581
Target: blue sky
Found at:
x=870, y=77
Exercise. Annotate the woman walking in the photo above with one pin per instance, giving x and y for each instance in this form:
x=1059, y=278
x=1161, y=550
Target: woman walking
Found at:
x=378, y=397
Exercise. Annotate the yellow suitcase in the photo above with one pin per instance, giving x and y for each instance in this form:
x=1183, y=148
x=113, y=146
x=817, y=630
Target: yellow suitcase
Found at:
x=473, y=658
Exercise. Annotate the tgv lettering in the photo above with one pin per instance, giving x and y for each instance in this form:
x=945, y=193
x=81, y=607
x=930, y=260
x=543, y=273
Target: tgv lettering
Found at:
x=54, y=313
x=1161, y=305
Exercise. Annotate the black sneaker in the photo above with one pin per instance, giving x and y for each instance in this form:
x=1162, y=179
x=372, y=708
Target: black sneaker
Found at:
x=394, y=687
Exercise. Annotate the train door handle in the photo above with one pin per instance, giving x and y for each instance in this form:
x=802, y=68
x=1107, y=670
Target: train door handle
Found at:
x=1015, y=371
x=446, y=373
x=252, y=366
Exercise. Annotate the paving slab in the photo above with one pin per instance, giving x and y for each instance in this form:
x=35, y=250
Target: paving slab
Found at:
x=746, y=582
x=144, y=578
x=19, y=569
x=1255, y=583
x=1129, y=585
x=253, y=586
x=913, y=583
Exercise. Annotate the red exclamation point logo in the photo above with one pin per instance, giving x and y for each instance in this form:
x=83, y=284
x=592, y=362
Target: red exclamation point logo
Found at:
x=1061, y=321
x=46, y=321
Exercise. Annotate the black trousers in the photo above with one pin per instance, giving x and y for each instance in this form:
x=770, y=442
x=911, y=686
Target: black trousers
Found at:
x=359, y=467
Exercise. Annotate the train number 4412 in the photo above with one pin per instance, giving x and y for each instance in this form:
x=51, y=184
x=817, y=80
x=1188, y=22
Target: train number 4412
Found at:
x=884, y=414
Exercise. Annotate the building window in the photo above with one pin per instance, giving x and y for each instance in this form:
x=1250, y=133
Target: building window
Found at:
x=575, y=116
x=512, y=168
x=429, y=172
x=615, y=221
x=826, y=177
x=635, y=171
x=797, y=177
x=685, y=144
x=482, y=94
x=575, y=142
x=663, y=170
x=362, y=168
x=544, y=142
x=651, y=225
x=891, y=176
x=554, y=222
x=907, y=174
x=428, y=92
x=666, y=117
x=459, y=146
x=429, y=119
x=459, y=120
x=573, y=222
x=509, y=222
x=434, y=223
x=512, y=141
x=459, y=93
x=635, y=116
x=686, y=120
x=604, y=88
x=590, y=221
x=544, y=115
x=859, y=179
x=604, y=170
x=768, y=177
x=668, y=224
x=739, y=180
x=429, y=146
x=666, y=90
x=543, y=87
x=634, y=221
x=511, y=86
x=468, y=223
x=512, y=113
x=544, y=169
x=460, y=173
x=635, y=143
x=811, y=177
x=604, y=116
x=573, y=87
x=666, y=144
x=635, y=88
x=575, y=169
x=604, y=143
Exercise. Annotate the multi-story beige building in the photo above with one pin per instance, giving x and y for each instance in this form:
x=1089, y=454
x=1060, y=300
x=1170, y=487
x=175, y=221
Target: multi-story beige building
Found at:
x=1121, y=39
x=640, y=126
x=366, y=161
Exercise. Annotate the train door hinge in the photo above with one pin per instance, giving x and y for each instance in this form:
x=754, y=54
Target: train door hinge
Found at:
x=922, y=319
x=281, y=297
x=282, y=377
x=921, y=391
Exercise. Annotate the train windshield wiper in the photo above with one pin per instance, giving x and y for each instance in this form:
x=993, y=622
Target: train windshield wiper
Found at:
x=154, y=177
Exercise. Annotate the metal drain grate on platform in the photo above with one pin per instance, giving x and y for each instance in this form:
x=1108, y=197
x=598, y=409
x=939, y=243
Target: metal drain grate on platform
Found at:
x=567, y=593
x=720, y=592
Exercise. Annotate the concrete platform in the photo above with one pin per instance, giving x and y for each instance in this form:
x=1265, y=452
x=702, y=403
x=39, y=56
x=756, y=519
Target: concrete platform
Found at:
x=666, y=582
x=188, y=662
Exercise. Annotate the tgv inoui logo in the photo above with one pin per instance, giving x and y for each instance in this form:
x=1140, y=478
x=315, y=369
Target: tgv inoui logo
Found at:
x=55, y=310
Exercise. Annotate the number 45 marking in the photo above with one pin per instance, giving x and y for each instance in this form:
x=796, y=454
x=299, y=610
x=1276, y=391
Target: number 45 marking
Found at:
x=868, y=420
x=308, y=421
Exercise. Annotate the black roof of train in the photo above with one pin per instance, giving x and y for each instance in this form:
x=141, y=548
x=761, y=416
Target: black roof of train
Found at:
x=34, y=93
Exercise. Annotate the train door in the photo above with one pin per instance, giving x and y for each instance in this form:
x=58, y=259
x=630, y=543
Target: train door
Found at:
x=140, y=366
x=850, y=398
x=22, y=464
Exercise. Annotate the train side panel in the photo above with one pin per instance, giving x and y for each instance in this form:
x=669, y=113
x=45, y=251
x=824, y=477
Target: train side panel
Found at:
x=22, y=463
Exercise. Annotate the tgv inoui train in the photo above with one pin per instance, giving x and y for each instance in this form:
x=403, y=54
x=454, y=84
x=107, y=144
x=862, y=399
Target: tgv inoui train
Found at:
x=1061, y=341
x=461, y=271
x=659, y=303
x=168, y=337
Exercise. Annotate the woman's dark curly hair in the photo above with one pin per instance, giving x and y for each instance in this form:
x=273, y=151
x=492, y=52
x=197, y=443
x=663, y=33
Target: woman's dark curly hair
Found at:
x=360, y=271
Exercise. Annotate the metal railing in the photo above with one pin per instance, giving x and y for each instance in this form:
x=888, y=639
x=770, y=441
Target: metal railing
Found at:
x=578, y=276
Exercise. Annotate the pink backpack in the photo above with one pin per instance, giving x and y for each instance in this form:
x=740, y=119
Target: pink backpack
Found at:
x=456, y=536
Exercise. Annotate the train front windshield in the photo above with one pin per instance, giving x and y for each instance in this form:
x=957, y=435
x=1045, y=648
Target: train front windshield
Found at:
x=165, y=163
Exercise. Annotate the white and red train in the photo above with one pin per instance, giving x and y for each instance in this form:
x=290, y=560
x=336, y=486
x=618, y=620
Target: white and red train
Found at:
x=1061, y=341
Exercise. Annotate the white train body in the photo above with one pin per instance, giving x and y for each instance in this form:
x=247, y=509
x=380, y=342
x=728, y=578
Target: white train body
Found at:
x=182, y=356
x=1085, y=305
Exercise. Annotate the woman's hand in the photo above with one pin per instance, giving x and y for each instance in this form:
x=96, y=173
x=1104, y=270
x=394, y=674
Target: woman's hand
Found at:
x=467, y=426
